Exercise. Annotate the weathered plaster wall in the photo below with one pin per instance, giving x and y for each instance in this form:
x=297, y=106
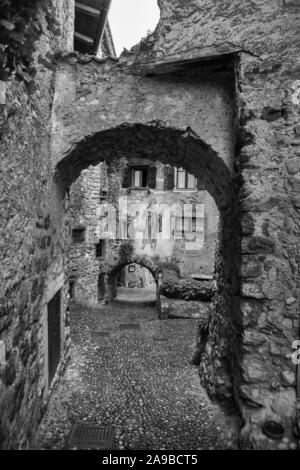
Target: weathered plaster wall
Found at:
x=83, y=264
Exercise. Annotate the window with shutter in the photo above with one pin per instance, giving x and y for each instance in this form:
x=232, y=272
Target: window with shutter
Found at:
x=200, y=186
x=127, y=178
x=139, y=177
x=184, y=180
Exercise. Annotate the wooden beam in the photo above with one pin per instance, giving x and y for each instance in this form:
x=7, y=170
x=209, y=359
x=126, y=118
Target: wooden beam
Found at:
x=82, y=38
x=87, y=10
x=210, y=59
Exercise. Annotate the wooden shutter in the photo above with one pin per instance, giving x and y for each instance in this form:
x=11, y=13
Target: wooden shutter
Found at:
x=169, y=177
x=200, y=186
x=152, y=177
x=127, y=178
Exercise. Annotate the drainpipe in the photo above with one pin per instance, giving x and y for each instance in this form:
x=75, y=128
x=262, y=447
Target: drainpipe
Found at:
x=101, y=25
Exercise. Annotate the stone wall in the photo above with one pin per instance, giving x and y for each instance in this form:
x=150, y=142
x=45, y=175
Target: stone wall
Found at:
x=30, y=251
x=85, y=199
x=82, y=206
x=269, y=163
x=268, y=160
x=177, y=308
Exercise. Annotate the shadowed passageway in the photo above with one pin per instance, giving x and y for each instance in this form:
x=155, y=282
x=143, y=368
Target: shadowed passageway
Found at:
x=136, y=377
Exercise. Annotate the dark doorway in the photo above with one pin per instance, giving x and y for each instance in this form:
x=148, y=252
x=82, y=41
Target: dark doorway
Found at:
x=72, y=289
x=53, y=335
x=101, y=287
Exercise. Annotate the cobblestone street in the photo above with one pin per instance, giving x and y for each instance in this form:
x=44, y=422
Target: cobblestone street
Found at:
x=138, y=380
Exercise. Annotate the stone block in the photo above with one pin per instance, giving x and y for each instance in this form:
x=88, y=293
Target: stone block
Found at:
x=247, y=224
x=251, y=269
x=252, y=395
x=256, y=245
x=255, y=370
x=175, y=308
x=252, y=290
x=296, y=201
x=284, y=404
x=251, y=311
x=254, y=338
x=293, y=165
x=288, y=377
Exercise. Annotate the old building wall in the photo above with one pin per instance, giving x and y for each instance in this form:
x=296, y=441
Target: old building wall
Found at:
x=83, y=264
x=31, y=263
x=196, y=257
x=268, y=147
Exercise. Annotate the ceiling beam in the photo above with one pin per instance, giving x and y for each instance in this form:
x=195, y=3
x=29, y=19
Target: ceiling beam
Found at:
x=87, y=10
x=82, y=38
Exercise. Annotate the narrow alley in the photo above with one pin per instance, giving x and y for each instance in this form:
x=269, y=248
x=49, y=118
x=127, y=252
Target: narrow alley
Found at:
x=132, y=371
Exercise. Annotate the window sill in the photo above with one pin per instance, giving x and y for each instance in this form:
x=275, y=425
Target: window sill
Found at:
x=143, y=188
x=177, y=190
x=131, y=189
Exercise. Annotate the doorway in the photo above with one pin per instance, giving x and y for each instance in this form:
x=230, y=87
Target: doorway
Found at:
x=54, y=335
x=135, y=283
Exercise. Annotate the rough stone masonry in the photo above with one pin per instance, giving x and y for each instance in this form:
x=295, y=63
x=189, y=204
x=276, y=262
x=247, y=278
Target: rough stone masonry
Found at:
x=226, y=69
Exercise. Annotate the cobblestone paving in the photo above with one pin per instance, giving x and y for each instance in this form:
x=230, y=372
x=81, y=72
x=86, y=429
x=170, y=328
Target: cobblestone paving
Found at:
x=138, y=380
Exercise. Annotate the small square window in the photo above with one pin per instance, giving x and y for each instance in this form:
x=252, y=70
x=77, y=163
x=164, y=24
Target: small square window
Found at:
x=78, y=235
x=103, y=194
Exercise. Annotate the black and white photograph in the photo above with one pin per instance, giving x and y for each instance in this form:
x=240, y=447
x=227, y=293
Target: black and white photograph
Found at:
x=149, y=229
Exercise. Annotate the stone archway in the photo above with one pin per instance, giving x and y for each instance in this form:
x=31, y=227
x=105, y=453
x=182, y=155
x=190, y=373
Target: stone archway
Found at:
x=112, y=270
x=156, y=141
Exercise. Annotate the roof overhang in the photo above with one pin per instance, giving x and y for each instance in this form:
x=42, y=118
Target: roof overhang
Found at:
x=213, y=62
